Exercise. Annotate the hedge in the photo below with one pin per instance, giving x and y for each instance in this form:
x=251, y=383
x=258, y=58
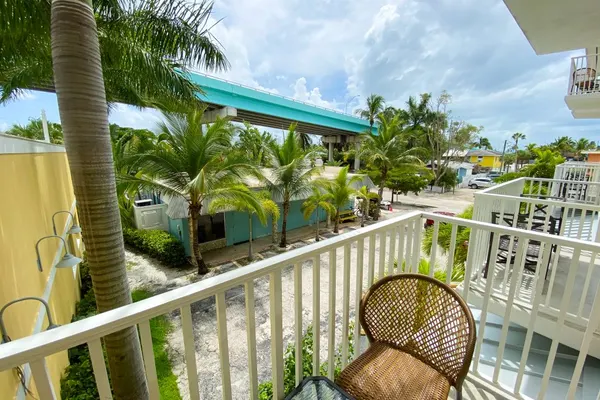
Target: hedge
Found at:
x=78, y=382
x=158, y=244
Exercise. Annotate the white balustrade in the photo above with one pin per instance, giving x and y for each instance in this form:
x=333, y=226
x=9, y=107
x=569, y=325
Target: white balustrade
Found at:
x=583, y=78
x=347, y=280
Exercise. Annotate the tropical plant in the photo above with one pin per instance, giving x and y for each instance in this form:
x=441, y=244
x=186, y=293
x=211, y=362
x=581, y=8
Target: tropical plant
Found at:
x=384, y=151
x=402, y=180
x=254, y=144
x=194, y=162
x=444, y=239
x=34, y=130
x=55, y=44
x=516, y=137
x=365, y=196
x=482, y=143
x=582, y=145
x=142, y=44
x=304, y=139
x=317, y=200
x=267, y=207
x=564, y=145
x=291, y=174
x=544, y=165
x=375, y=105
x=341, y=188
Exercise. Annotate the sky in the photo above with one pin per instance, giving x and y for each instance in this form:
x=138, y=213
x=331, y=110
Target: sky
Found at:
x=334, y=53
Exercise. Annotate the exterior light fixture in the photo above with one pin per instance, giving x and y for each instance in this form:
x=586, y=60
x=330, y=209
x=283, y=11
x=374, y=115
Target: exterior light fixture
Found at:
x=4, y=332
x=68, y=260
x=74, y=227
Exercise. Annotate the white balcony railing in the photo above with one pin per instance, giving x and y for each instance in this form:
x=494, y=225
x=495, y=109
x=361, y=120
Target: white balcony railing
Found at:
x=366, y=254
x=584, y=78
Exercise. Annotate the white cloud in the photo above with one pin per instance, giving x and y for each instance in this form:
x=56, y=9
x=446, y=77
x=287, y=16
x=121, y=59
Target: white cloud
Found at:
x=26, y=95
x=3, y=126
x=128, y=116
x=301, y=92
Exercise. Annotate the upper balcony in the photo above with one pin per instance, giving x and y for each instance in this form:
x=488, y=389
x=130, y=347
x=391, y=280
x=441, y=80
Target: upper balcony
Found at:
x=321, y=285
x=583, y=93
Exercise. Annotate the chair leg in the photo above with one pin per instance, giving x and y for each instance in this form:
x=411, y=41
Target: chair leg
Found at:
x=458, y=394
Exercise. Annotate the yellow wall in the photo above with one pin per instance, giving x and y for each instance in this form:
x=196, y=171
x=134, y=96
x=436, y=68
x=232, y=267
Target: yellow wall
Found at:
x=487, y=161
x=34, y=186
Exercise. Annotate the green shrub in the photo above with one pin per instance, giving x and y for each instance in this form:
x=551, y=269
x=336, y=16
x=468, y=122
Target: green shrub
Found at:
x=444, y=236
x=265, y=389
x=457, y=274
x=78, y=382
x=158, y=244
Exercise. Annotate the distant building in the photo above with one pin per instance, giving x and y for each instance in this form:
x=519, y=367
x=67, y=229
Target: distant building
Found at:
x=592, y=156
x=485, y=158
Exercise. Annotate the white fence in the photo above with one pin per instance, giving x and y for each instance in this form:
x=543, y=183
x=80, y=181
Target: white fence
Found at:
x=368, y=254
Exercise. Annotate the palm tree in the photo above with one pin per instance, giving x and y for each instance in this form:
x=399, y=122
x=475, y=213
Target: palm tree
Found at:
x=194, y=162
x=564, y=145
x=385, y=151
x=266, y=207
x=482, y=143
x=35, y=130
x=318, y=199
x=516, y=137
x=582, y=145
x=254, y=144
x=341, y=188
x=142, y=44
x=544, y=165
x=63, y=52
x=365, y=196
x=304, y=139
x=375, y=105
x=291, y=174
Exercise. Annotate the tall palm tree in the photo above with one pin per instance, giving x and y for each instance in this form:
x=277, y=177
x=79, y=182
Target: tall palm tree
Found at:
x=564, y=145
x=482, y=143
x=291, y=174
x=141, y=45
x=266, y=207
x=516, y=137
x=64, y=54
x=341, y=188
x=317, y=200
x=254, y=144
x=375, y=105
x=582, y=145
x=194, y=162
x=386, y=150
x=365, y=196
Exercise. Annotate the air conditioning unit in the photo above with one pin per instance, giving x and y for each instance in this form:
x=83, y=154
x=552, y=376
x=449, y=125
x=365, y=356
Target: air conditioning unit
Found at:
x=143, y=203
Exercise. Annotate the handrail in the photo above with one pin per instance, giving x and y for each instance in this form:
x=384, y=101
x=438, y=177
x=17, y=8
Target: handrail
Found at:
x=38, y=346
x=273, y=94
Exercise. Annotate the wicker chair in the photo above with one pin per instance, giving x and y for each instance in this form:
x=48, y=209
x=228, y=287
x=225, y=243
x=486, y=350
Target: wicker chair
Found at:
x=422, y=337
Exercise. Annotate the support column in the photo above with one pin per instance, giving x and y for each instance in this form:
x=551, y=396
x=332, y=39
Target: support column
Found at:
x=356, y=156
x=330, y=152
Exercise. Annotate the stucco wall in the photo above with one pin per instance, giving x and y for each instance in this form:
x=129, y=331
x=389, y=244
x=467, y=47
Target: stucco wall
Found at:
x=34, y=186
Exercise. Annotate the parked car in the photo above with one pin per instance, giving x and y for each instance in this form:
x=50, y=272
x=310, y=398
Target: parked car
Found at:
x=429, y=222
x=478, y=183
x=494, y=175
x=385, y=205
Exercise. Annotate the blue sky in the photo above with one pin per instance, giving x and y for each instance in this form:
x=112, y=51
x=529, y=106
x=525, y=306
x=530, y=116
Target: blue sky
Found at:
x=328, y=51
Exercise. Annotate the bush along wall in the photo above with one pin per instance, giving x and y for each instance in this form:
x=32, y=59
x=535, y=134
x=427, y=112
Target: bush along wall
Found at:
x=78, y=382
x=157, y=244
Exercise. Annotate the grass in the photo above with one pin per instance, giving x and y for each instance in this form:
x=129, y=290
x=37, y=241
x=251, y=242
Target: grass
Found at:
x=129, y=265
x=160, y=327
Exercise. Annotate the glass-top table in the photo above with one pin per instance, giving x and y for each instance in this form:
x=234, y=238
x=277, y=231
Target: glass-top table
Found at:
x=318, y=388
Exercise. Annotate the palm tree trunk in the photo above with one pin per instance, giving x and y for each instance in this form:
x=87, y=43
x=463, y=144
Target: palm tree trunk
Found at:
x=336, y=225
x=273, y=229
x=197, y=260
x=317, y=234
x=365, y=211
x=250, y=237
x=286, y=210
x=83, y=113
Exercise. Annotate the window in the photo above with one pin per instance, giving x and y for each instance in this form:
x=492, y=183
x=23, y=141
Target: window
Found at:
x=211, y=227
x=479, y=158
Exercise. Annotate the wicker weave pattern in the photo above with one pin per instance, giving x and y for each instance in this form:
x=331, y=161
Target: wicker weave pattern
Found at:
x=422, y=334
x=385, y=373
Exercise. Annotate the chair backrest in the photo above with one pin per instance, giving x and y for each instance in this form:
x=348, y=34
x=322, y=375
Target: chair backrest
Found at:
x=423, y=317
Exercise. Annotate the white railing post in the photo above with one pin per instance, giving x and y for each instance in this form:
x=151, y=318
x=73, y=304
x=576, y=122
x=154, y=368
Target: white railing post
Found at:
x=331, y=324
x=434, y=239
x=346, y=305
x=149, y=363
x=251, y=339
x=223, y=345
x=276, y=316
x=358, y=293
x=316, y=315
x=187, y=327
x=371, y=261
x=42, y=380
x=101, y=376
x=393, y=234
x=451, y=251
x=382, y=240
x=298, y=321
x=401, y=248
